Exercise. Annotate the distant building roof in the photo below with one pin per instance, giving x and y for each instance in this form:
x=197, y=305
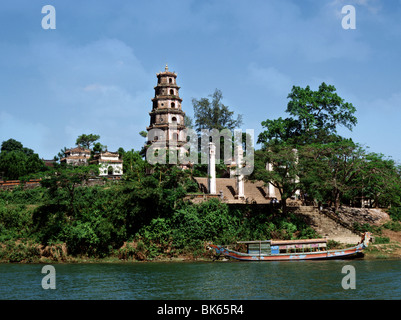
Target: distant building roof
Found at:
x=78, y=149
x=75, y=158
x=103, y=157
x=49, y=163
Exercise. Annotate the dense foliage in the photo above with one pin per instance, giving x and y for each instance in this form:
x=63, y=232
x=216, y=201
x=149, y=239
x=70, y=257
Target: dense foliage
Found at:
x=18, y=162
x=214, y=114
x=143, y=216
x=306, y=154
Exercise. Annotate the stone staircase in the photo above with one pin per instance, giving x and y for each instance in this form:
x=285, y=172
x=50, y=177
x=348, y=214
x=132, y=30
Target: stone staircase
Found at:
x=255, y=192
x=327, y=227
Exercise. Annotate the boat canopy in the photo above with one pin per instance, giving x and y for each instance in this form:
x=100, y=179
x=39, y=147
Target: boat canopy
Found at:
x=292, y=246
x=254, y=241
x=257, y=246
x=302, y=241
x=284, y=246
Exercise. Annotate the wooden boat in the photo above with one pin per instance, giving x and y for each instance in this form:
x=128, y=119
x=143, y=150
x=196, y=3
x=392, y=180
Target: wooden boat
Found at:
x=281, y=250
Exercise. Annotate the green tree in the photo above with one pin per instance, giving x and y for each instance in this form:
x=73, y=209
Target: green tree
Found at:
x=98, y=148
x=320, y=112
x=283, y=172
x=61, y=183
x=330, y=170
x=156, y=195
x=188, y=122
x=86, y=140
x=280, y=130
x=14, y=145
x=16, y=161
x=314, y=118
x=379, y=181
x=61, y=154
x=13, y=164
x=214, y=114
x=134, y=166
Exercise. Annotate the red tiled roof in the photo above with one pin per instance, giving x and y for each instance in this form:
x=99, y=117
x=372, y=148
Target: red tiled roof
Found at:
x=78, y=149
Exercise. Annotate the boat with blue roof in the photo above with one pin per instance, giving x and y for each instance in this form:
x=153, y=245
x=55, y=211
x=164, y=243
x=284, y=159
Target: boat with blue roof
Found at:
x=282, y=250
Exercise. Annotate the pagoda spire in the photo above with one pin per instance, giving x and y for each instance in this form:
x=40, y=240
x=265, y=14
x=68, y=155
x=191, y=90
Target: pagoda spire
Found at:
x=166, y=114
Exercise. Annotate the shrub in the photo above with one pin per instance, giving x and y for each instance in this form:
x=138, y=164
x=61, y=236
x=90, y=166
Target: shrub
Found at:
x=15, y=221
x=208, y=221
x=17, y=251
x=382, y=240
x=393, y=225
x=331, y=244
x=366, y=227
x=19, y=195
x=395, y=213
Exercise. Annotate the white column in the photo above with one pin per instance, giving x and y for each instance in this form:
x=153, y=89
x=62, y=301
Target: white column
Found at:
x=271, y=193
x=233, y=170
x=212, y=168
x=239, y=175
x=297, y=192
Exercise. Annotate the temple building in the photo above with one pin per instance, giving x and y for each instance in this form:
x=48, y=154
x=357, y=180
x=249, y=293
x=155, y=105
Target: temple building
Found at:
x=76, y=156
x=110, y=163
x=167, y=115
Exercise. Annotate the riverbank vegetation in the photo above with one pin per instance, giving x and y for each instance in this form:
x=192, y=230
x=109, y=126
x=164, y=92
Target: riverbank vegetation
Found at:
x=140, y=218
x=144, y=216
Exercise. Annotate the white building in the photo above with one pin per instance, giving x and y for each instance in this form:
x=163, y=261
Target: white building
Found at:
x=76, y=156
x=110, y=163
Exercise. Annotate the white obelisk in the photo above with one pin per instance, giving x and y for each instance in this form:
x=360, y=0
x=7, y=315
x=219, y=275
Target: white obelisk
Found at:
x=239, y=175
x=212, y=168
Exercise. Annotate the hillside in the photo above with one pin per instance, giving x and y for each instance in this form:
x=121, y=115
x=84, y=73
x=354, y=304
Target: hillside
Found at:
x=346, y=225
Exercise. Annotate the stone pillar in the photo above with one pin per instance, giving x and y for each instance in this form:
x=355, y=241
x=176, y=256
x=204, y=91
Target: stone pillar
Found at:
x=239, y=175
x=271, y=192
x=233, y=170
x=297, y=192
x=211, y=180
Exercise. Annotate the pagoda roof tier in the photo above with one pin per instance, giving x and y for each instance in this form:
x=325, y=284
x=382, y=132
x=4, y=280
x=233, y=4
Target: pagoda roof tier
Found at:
x=166, y=73
x=167, y=110
x=176, y=144
x=166, y=126
x=166, y=97
x=172, y=85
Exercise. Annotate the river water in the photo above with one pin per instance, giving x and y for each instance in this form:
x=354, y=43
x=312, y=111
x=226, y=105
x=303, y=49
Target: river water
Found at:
x=310, y=280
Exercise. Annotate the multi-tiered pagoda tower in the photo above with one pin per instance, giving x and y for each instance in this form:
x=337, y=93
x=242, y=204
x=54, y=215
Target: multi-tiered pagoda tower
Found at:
x=166, y=113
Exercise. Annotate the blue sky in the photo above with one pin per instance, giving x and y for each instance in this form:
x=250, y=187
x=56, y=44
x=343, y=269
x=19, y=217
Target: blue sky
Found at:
x=95, y=72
